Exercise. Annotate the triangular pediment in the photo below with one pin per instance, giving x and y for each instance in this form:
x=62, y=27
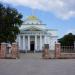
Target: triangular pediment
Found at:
x=33, y=29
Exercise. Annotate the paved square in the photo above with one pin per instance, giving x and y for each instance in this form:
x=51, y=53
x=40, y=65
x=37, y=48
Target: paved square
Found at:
x=37, y=66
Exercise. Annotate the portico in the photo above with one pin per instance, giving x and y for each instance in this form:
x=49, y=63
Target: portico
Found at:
x=36, y=41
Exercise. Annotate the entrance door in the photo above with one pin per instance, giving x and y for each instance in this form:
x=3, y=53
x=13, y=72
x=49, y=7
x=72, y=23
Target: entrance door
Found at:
x=32, y=46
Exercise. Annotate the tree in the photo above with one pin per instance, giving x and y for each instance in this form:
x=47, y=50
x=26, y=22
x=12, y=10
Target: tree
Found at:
x=67, y=40
x=10, y=20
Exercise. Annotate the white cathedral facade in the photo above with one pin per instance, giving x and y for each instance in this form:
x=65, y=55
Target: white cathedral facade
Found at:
x=34, y=34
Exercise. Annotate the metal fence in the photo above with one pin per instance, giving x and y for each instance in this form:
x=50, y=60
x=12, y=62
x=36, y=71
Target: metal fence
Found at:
x=68, y=49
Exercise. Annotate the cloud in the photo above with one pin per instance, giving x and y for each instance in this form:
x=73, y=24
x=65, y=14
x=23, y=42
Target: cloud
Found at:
x=64, y=9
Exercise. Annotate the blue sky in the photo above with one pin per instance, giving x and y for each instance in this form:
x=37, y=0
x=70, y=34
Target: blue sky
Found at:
x=53, y=15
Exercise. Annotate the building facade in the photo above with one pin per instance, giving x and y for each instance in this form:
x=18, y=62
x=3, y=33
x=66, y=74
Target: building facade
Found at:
x=34, y=34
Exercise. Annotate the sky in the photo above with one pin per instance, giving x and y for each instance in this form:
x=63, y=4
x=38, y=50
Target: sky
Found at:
x=56, y=14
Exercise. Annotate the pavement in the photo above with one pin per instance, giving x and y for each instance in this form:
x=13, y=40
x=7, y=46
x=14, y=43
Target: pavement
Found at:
x=33, y=65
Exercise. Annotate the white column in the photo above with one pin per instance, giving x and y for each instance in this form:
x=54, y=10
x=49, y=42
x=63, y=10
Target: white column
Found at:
x=40, y=42
x=19, y=38
x=28, y=42
x=35, y=42
x=45, y=39
x=23, y=42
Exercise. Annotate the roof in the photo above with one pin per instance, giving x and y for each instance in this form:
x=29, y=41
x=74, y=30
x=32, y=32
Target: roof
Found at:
x=32, y=20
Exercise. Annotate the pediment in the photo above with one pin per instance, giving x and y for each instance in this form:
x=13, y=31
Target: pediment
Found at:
x=32, y=29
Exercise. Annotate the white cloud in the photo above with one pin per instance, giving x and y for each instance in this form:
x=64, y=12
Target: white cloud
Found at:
x=64, y=9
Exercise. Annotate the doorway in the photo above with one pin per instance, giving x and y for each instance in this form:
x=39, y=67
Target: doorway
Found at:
x=32, y=45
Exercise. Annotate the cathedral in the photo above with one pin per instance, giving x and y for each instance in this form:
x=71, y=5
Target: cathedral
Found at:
x=34, y=34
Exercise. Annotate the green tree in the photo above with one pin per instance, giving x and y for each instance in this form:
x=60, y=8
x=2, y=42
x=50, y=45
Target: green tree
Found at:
x=10, y=20
x=67, y=40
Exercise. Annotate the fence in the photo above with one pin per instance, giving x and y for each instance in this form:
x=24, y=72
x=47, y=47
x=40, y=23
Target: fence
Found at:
x=67, y=49
x=64, y=51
